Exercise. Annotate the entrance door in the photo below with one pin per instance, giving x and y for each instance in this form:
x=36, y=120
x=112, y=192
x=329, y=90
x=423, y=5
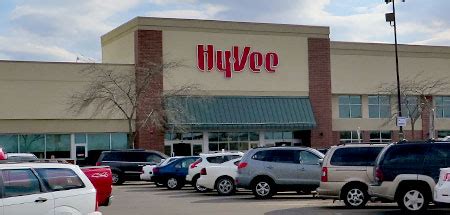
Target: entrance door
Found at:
x=81, y=153
x=182, y=149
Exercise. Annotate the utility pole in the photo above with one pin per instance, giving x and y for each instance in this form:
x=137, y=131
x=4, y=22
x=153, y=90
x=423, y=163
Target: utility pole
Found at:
x=391, y=18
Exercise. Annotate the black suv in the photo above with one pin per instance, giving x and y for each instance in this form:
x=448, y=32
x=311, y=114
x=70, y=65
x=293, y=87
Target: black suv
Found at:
x=126, y=165
x=407, y=172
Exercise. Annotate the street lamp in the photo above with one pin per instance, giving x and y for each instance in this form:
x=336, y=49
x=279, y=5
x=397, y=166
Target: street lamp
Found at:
x=390, y=17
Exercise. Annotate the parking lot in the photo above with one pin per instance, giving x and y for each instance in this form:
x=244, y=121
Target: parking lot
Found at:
x=144, y=198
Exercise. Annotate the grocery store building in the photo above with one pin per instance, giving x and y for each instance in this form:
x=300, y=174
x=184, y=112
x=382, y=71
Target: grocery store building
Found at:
x=265, y=84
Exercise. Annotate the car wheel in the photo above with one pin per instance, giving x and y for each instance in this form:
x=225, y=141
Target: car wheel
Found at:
x=225, y=186
x=117, y=179
x=355, y=196
x=263, y=189
x=197, y=187
x=174, y=183
x=413, y=199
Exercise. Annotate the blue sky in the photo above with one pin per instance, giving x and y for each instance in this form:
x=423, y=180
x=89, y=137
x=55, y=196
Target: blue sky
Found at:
x=61, y=30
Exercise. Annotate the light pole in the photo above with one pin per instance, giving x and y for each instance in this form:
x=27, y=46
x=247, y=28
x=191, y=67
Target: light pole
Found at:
x=390, y=17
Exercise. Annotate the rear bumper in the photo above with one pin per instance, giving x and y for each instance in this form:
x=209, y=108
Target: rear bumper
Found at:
x=385, y=190
x=330, y=190
x=188, y=178
x=442, y=193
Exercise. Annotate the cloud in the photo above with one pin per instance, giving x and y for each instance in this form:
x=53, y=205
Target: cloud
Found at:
x=166, y=2
x=208, y=11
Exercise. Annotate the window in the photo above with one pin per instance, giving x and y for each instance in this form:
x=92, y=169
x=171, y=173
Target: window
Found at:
x=284, y=156
x=350, y=107
x=379, y=107
x=442, y=134
x=381, y=136
x=8, y=142
x=98, y=141
x=438, y=155
x=406, y=156
x=269, y=135
x=410, y=106
x=355, y=156
x=32, y=143
x=20, y=182
x=119, y=140
x=231, y=141
x=442, y=106
x=261, y=156
x=309, y=158
x=57, y=179
x=58, y=145
x=350, y=137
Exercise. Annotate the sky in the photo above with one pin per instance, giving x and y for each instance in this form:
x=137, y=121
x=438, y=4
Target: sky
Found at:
x=62, y=30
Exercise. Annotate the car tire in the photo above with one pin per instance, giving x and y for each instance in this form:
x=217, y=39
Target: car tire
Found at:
x=174, y=183
x=225, y=186
x=197, y=187
x=263, y=188
x=117, y=178
x=355, y=196
x=413, y=199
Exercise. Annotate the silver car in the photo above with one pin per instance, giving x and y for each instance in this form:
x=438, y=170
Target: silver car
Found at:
x=268, y=170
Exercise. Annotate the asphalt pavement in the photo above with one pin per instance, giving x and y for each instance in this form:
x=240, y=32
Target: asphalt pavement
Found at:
x=138, y=198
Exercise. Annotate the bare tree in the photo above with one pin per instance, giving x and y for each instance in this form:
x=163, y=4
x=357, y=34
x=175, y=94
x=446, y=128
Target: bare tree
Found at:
x=416, y=96
x=120, y=90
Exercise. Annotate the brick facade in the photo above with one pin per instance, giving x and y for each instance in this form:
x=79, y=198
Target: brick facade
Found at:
x=148, y=55
x=320, y=91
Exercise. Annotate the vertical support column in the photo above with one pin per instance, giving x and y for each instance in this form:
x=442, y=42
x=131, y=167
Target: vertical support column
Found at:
x=320, y=90
x=148, y=53
x=205, y=142
x=262, y=141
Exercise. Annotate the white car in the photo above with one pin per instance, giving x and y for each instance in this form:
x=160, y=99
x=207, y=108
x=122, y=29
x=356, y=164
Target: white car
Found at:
x=442, y=188
x=220, y=177
x=208, y=160
x=21, y=157
x=46, y=188
x=147, y=170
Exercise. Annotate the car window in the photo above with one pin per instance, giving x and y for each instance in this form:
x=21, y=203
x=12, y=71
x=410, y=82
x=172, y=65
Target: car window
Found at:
x=112, y=156
x=284, y=156
x=355, y=156
x=309, y=158
x=152, y=158
x=20, y=182
x=216, y=159
x=405, y=156
x=438, y=155
x=57, y=179
x=261, y=156
x=185, y=163
x=232, y=157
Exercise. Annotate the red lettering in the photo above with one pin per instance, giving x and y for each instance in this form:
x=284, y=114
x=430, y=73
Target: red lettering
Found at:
x=239, y=62
x=224, y=62
x=256, y=61
x=201, y=52
x=271, y=62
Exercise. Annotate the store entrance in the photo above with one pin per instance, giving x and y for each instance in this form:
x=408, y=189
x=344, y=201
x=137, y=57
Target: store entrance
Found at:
x=182, y=149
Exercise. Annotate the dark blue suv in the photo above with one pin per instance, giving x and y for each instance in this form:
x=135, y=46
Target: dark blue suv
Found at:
x=173, y=174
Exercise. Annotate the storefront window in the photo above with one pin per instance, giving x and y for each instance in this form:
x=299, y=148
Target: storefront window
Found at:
x=232, y=141
x=98, y=141
x=349, y=137
x=278, y=135
x=253, y=136
x=168, y=150
x=442, y=134
x=58, y=145
x=80, y=138
x=410, y=106
x=442, y=106
x=350, y=106
x=381, y=136
x=8, y=142
x=197, y=149
x=32, y=143
x=119, y=141
x=379, y=106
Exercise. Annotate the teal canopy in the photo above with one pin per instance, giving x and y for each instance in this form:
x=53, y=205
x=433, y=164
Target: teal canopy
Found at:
x=240, y=113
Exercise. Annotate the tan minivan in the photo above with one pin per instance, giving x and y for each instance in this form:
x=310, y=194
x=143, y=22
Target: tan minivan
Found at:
x=347, y=171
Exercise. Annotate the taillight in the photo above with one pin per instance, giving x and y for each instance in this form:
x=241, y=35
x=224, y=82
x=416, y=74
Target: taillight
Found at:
x=98, y=163
x=447, y=177
x=242, y=165
x=324, y=177
x=379, y=177
x=193, y=165
x=155, y=170
x=203, y=171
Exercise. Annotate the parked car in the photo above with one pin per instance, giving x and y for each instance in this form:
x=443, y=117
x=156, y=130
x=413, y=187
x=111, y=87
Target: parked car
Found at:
x=208, y=160
x=101, y=178
x=442, y=188
x=407, y=173
x=347, y=171
x=147, y=170
x=20, y=157
x=220, y=177
x=46, y=188
x=173, y=174
x=268, y=170
x=126, y=165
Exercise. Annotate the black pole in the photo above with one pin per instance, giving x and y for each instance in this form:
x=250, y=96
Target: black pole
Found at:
x=400, y=134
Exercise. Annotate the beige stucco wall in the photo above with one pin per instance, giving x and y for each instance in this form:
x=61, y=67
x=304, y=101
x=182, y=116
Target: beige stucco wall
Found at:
x=120, y=50
x=40, y=90
x=290, y=78
x=63, y=126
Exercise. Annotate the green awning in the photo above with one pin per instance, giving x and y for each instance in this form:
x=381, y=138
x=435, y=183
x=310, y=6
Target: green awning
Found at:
x=240, y=112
